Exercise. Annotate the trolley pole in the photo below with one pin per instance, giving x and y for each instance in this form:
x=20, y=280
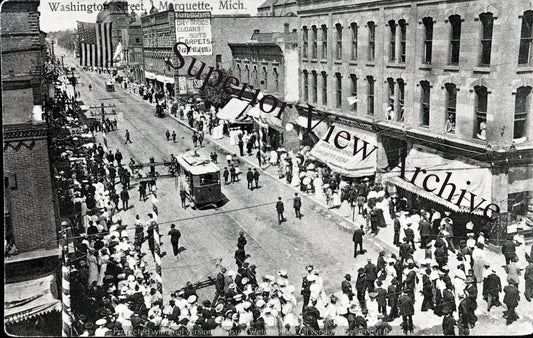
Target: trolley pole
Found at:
x=65, y=288
x=157, y=259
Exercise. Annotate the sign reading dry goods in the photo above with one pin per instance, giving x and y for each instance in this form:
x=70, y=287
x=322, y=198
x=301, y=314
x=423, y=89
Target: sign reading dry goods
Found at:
x=194, y=29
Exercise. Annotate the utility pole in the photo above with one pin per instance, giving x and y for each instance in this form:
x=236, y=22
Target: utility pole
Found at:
x=103, y=113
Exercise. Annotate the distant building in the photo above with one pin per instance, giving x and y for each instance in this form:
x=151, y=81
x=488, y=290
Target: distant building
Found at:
x=278, y=8
x=449, y=82
x=159, y=37
x=116, y=18
x=133, y=49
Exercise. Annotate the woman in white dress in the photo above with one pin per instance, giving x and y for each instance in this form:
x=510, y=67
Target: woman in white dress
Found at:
x=92, y=262
x=102, y=261
x=478, y=255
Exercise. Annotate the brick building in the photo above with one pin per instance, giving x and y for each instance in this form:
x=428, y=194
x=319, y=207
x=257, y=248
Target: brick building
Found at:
x=269, y=61
x=440, y=82
x=159, y=36
x=133, y=49
x=30, y=216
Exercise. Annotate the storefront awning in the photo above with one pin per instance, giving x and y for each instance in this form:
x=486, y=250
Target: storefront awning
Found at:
x=344, y=161
x=164, y=79
x=26, y=299
x=477, y=173
x=319, y=128
x=520, y=179
x=269, y=119
x=149, y=75
x=235, y=112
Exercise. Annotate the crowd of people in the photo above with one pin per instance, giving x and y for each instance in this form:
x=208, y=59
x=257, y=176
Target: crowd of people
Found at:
x=114, y=292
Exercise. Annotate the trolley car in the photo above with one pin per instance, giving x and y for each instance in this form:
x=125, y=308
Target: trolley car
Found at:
x=200, y=178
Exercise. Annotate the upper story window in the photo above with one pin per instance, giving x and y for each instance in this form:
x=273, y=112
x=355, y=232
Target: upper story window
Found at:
x=264, y=82
x=353, y=27
x=392, y=41
x=314, y=42
x=403, y=40
x=338, y=35
x=324, y=41
x=390, y=107
x=338, y=89
x=305, y=39
x=424, y=103
x=239, y=72
x=525, y=52
x=455, y=39
x=324, y=88
x=428, y=39
x=401, y=100
x=370, y=95
x=521, y=111
x=306, y=85
x=247, y=73
x=480, y=124
x=314, y=79
x=255, y=77
x=276, y=80
x=371, y=40
x=487, y=22
x=451, y=105
x=353, y=80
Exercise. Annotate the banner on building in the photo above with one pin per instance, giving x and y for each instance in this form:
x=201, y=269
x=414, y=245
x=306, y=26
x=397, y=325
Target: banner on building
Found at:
x=95, y=44
x=194, y=29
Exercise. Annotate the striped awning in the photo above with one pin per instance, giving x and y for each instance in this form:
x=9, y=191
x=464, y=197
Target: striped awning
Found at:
x=235, y=112
x=269, y=119
x=27, y=299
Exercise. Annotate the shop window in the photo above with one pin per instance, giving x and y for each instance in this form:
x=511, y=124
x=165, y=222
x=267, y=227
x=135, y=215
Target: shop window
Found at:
x=517, y=204
x=487, y=21
x=338, y=89
x=392, y=41
x=520, y=113
x=314, y=42
x=455, y=39
x=525, y=52
x=255, y=78
x=424, y=103
x=338, y=34
x=403, y=40
x=314, y=77
x=305, y=44
x=451, y=105
x=306, y=86
x=371, y=40
x=428, y=39
x=401, y=100
x=324, y=88
x=390, y=107
x=481, y=112
x=370, y=95
x=324, y=41
x=353, y=27
x=353, y=80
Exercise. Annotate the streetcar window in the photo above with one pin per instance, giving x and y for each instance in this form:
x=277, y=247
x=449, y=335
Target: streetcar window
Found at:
x=210, y=178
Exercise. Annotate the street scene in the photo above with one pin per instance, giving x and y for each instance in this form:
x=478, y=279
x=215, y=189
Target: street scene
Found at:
x=271, y=167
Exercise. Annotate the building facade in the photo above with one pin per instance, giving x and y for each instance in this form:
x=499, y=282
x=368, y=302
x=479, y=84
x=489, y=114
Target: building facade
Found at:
x=449, y=79
x=134, y=50
x=30, y=217
x=159, y=37
x=116, y=19
x=278, y=8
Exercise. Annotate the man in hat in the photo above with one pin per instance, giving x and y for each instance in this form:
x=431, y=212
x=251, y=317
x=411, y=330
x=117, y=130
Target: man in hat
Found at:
x=397, y=229
x=425, y=230
x=392, y=297
x=175, y=236
x=297, y=204
x=240, y=256
x=241, y=241
x=280, y=208
x=411, y=279
x=511, y=298
x=448, y=325
x=406, y=250
x=256, y=178
x=407, y=310
x=492, y=287
x=509, y=249
x=410, y=235
x=220, y=284
x=346, y=287
x=427, y=290
x=361, y=286
x=381, y=298
x=447, y=225
x=467, y=317
x=250, y=178
x=358, y=240
x=306, y=284
x=102, y=329
x=371, y=274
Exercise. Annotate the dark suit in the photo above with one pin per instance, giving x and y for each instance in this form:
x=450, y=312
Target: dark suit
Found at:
x=297, y=205
x=346, y=287
x=250, y=179
x=406, y=311
x=357, y=240
x=280, y=208
x=175, y=235
x=371, y=273
x=425, y=232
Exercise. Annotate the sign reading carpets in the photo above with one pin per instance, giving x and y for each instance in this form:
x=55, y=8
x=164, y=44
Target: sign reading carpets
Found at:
x=194, y=29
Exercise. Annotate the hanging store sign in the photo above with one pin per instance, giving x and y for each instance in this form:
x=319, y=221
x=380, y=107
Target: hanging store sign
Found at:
x=194, y=29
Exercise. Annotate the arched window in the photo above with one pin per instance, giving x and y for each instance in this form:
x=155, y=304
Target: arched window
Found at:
x=338, y=90
x=306, y=85
x=391, y=99
x=338, y=36
x=487, y=22
x=265, y=78
x=371, y=40
x=315, y=86
x=521, y=111
x=353, y=80
x=428, y=39
x=305, y=45
x=353, y=26
x=314, y=42
x=247, y=73
x=424, y=103
x=480, y=124
x=324, y=41
x=324, y=88
x=525, y=52
x=451, y=106
x=239, y=72
x=255, y=77
x=403, y=40
x=370, y=95
x=392, y=41
x=276, y=80
x=455, y=39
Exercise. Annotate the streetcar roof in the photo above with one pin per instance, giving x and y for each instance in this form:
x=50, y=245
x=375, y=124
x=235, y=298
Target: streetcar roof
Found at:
x=196, y=164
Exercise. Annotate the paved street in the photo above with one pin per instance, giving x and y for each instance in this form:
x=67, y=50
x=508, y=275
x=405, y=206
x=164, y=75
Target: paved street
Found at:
x=210, y=235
